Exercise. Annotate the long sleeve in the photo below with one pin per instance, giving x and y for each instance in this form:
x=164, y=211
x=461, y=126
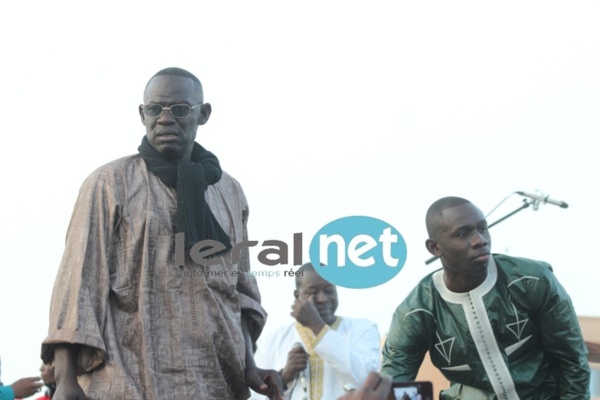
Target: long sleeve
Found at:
x=247, y=287
x=6, y=393
x=145, y=325
x=80, y=295
x=562, y=339
x=347, y=352
x=353, y=355
x=405, y=347
x=233, y=214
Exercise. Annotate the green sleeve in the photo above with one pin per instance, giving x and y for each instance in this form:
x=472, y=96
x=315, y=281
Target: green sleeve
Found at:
x=405, y=347
x=562, y=339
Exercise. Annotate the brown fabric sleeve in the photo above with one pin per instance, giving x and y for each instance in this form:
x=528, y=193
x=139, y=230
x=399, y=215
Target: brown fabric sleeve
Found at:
x=80, y=294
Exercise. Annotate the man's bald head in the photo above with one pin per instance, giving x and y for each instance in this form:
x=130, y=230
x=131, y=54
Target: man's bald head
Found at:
x=434, y=215
x=311, y=285
x=301, y=271
x=183, y=73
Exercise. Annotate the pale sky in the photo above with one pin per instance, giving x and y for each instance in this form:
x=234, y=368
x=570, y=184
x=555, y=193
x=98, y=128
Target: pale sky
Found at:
x=321, y=109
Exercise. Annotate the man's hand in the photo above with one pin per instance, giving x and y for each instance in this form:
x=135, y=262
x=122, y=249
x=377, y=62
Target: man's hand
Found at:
x=376, y=387
x=297, y=361
x=307, y=314
x=265, y=382
x=25, y=387
x=67, y=387
x=69, y=390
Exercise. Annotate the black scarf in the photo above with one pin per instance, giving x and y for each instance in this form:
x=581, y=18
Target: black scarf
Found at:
x=190, y=179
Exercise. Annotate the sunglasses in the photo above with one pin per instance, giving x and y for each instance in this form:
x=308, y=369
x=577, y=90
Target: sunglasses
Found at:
x=176, y=110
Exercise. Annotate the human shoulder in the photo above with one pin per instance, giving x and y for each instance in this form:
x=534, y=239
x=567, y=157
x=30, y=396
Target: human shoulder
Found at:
x=357, y=322
x=519, y=267
x=230, y=182
x=421, y=296
x=417, y=311
x=357, y=329
x=230, y=189
x=112, y=180
x=412, y=325
x=121, y=166
x=531, y=283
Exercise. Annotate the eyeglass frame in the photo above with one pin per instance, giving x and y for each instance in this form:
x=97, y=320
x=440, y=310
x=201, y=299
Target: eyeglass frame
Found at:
x=163, y=108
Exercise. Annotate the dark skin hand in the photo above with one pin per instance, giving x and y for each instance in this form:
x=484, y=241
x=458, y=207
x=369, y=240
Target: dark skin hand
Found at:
x=25, y=387
x=67, y=387
x=263, y=381
x=297, y=361
x=376, y=387
x=307, y=314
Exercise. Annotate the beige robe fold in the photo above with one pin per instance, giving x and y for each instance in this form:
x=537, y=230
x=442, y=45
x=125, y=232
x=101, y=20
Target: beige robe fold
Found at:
x=147, y=328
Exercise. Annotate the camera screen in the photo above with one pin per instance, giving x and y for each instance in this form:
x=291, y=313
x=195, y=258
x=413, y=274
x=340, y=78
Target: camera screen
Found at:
x=413, y=391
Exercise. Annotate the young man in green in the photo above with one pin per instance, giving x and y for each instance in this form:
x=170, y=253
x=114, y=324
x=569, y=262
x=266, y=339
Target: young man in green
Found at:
x=496, y=326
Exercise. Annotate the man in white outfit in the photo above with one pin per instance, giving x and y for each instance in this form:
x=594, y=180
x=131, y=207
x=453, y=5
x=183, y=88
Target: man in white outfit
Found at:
x=320, y=353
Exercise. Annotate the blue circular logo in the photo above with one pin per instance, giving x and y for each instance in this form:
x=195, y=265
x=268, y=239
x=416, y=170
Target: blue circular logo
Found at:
x=357, y=252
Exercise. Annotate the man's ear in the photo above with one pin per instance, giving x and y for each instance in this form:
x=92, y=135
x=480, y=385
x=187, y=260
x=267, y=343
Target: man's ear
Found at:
x=205, y=110
x=142, y=115
x=433, y=248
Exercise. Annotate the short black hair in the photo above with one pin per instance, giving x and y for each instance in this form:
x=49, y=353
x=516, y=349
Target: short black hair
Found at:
x=434, y=213
x=179, y=72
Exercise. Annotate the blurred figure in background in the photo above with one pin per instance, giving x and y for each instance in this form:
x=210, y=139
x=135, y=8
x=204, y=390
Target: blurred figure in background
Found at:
x=23, y=387
x=320, y=353
x=47, y=372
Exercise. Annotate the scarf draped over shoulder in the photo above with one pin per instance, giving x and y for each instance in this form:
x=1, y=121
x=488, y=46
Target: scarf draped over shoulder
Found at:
x=190, y=178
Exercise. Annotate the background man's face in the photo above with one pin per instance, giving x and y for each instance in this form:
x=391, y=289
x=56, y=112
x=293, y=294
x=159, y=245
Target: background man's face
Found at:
x=173, y=137
x=325, y=294
x=47, y=374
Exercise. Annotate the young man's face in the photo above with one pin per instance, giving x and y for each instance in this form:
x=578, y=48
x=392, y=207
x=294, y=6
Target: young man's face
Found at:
x=464, y=242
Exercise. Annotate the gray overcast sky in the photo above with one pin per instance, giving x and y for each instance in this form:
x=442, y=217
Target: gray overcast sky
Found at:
x=321, y=109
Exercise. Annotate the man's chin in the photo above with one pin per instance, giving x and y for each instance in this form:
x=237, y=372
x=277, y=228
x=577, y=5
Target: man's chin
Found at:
x=328, y=318
x=170, y=151
x=478, y=268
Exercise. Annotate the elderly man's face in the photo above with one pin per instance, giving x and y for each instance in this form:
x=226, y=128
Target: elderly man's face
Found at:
x=171, y=136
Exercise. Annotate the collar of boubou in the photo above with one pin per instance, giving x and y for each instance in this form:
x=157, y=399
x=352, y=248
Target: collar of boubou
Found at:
x=190, y=179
